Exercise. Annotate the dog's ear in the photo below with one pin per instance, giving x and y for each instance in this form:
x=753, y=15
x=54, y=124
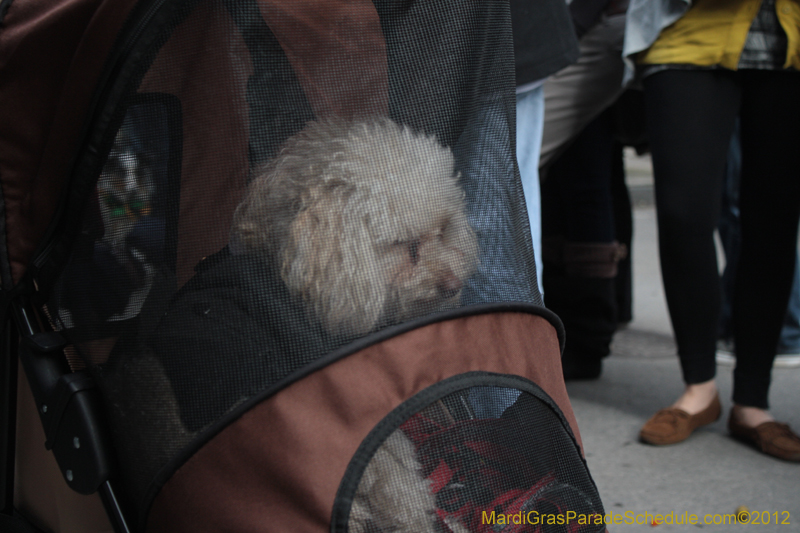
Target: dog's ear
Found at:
x=330, y=261
x=261, y=221
x=252, y=220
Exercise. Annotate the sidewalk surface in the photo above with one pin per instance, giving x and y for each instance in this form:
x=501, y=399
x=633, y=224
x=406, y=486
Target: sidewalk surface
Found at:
x=710, y=473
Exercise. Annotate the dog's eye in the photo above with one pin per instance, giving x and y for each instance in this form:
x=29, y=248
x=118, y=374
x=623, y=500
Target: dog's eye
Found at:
x=413, y=251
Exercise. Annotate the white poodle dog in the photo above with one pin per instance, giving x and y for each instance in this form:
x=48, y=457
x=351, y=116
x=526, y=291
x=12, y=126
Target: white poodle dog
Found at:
x=365, y=221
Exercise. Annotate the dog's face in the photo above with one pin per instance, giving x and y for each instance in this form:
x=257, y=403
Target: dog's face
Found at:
x=376, y=232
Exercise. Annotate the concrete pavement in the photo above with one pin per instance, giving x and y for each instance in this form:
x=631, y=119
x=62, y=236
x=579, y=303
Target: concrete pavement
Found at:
x=710, y=473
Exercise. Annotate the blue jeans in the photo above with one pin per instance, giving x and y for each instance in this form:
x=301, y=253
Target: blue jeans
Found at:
x=496, y=208
x=530, y=124
x=790, y=333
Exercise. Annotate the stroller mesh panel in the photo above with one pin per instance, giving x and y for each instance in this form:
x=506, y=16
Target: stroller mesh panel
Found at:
x=282, y=181
x=485, y=458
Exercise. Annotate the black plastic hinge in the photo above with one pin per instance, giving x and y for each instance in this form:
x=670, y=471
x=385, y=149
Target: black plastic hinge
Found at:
x=74, y=430
x=69, y=404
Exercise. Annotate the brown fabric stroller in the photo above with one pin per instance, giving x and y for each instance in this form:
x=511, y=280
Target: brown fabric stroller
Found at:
x=266, y=267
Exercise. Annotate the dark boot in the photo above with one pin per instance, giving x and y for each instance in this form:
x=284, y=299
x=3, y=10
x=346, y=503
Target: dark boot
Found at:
x=581, y=290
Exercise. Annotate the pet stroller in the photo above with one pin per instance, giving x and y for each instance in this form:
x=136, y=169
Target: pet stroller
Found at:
x=177, y=366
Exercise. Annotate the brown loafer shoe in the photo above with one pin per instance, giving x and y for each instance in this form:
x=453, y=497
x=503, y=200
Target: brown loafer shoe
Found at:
x=673, y=425
x=772, y=438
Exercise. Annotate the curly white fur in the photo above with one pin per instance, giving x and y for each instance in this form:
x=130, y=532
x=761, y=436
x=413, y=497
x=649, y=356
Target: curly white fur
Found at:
x=393, y=496
x=367, y=222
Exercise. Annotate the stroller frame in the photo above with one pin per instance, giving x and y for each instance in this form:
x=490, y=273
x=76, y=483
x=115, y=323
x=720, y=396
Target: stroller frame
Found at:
x=67, y=398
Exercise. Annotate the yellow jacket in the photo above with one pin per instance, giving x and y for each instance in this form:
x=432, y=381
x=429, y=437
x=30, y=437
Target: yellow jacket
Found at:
x=713, y=32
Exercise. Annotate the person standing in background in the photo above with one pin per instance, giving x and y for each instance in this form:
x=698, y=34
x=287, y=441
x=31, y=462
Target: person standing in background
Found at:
x=703, y=64
x=544, y=43
x=579, y=163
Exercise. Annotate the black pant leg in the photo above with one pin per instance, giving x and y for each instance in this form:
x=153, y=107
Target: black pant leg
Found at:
x=770, y=207
x=579, y=248
x=690, y=118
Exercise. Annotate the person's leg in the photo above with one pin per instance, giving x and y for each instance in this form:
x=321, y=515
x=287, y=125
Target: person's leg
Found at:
x=581, y=254
x=770, y=208
x=690, y=121
x=530, y=122
x=690, y=115
x=623, y=226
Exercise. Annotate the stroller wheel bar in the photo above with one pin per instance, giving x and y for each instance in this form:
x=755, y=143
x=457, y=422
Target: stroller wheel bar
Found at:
x=113, y=508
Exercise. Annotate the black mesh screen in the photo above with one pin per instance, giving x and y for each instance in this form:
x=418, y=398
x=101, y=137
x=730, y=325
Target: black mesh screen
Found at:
x=482, y=459
x=284, y=178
